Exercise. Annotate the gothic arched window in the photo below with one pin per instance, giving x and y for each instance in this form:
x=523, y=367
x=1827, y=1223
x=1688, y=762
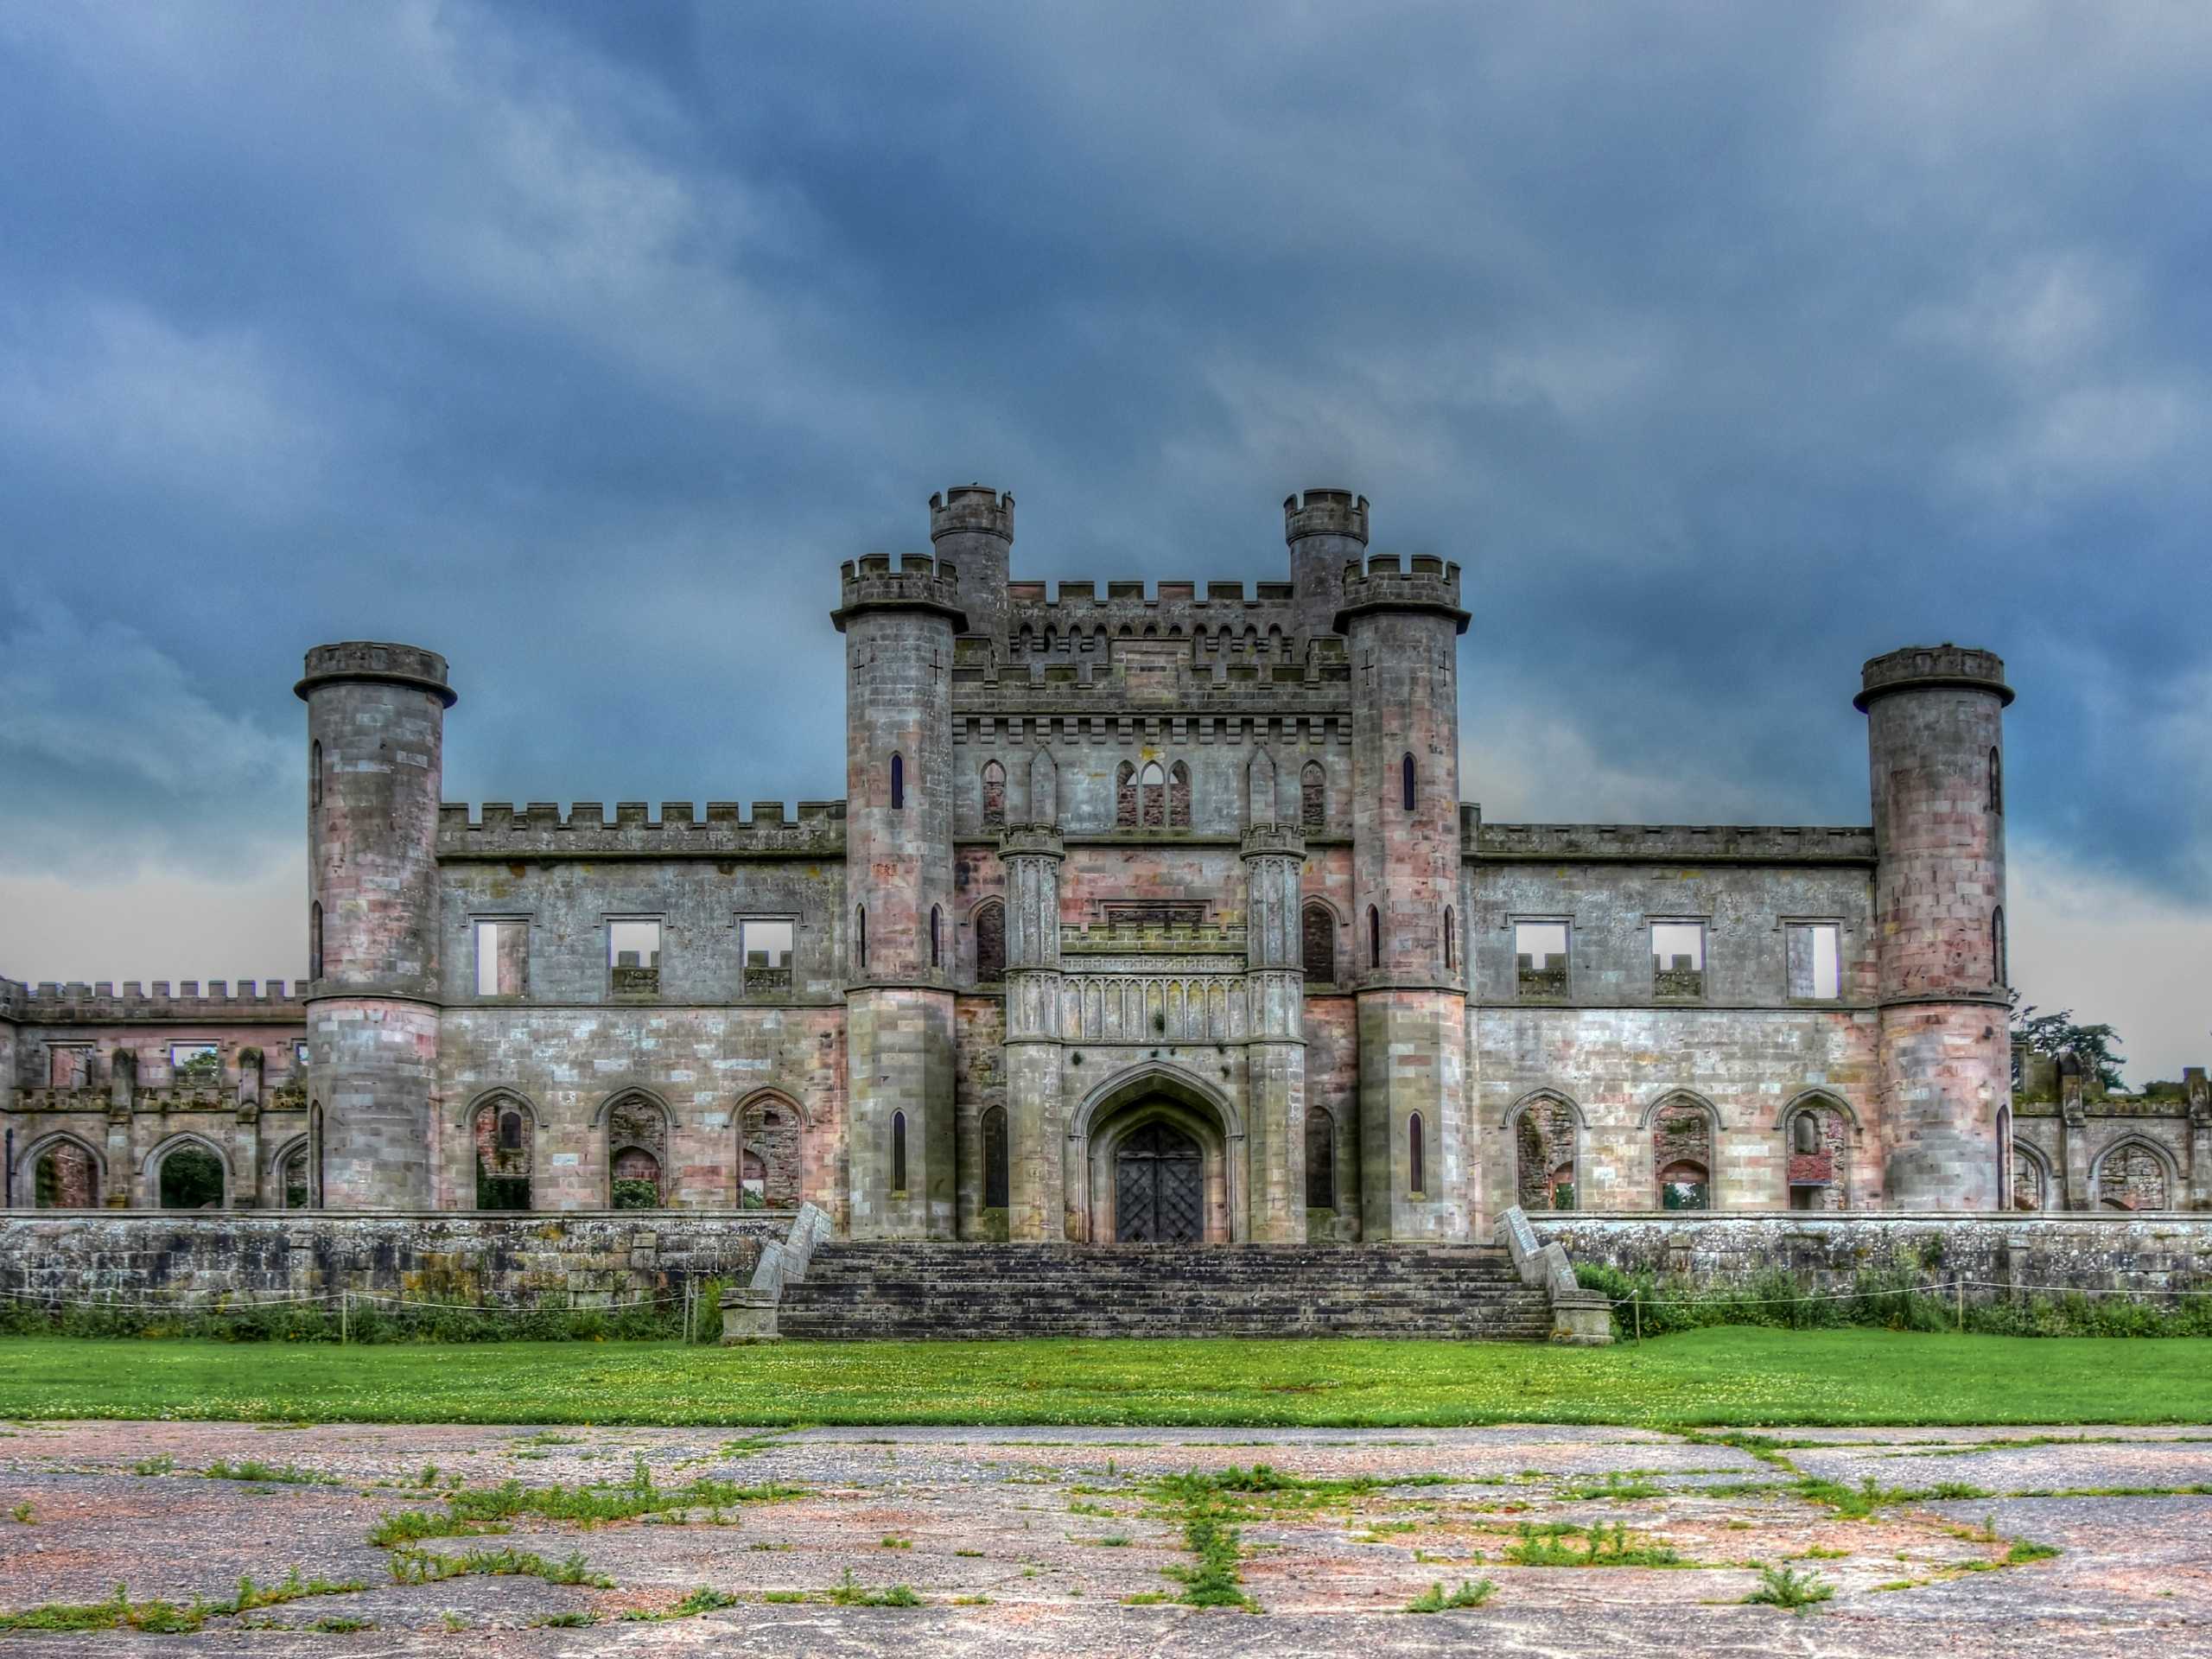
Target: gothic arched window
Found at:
x=1416, y=1157
x=1318, y=942
x=1374, y=936
x=937, y=931
x=1451, y=945
x=1405, y=781
x=1125, y=797
x=1152, y=794
x=314, y=940
x=1996, y=781
x=1178, y=797
x=994, y=795
x=898, y=782
x=990, y=943
x=898, y=1152
x=996, y=1185
x=1313, y=798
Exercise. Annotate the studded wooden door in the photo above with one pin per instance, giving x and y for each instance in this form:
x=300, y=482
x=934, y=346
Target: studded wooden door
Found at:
x=1158, y=1188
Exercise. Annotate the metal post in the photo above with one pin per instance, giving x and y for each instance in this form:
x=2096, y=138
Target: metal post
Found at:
x=1636, y=1299
x=1958, y=1287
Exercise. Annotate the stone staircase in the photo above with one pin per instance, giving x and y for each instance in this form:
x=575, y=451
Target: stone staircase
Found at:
x=852, y=1292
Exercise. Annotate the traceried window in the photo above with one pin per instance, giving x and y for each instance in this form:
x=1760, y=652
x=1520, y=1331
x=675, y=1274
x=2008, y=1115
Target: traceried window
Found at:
x=764, y=948
x=502, y=957
x=990, y=943
x=1815, y=950
x=1678, y=960
x=1539, y=958
x=633, y=956
x=1313, y=798
x=994, y=795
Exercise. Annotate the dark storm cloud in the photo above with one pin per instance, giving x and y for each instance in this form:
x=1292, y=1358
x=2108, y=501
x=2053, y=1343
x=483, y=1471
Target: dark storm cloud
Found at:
x=1725, y=346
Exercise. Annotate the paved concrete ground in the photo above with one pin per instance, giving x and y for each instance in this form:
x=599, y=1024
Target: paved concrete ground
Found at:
x=1057, y=1528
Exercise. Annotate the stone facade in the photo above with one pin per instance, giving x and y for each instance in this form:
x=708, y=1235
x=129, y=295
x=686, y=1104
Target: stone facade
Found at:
x=1147, y=914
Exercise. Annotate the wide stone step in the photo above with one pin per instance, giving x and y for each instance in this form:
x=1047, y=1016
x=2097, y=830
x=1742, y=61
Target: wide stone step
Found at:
x=943, y=1290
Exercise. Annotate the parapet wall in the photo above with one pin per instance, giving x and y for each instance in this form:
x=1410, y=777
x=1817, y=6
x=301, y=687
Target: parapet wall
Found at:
x=2143, y=1254
x=1668, y=844
x=100, y=1003
x=540, y=830
x=236, y=1258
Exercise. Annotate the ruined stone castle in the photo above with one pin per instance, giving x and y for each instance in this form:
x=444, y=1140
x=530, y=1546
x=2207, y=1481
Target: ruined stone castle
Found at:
x=1145, y=917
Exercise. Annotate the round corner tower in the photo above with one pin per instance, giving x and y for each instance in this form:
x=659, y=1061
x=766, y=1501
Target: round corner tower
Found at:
x=1935, y=744
x=1326, y=530
x=1402, y=627
x=899, y=625
x=971, y=528
x=376, y=746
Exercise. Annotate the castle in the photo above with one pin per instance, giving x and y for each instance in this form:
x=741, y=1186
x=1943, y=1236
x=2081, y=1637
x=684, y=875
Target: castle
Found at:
x=1144, y=917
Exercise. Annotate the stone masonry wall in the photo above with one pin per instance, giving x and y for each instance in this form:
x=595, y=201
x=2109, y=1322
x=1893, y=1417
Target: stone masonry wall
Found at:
x=507, y=1261
x=2143, y=1254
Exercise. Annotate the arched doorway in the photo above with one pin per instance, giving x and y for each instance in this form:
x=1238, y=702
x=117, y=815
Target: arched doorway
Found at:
x=1159, y=1187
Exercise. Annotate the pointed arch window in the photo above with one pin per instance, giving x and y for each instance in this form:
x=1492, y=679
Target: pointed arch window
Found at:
x=990, y=943
x=1416, y=1157
x=1320, y=1158
x=1406, y=782
x=1318, y=942
x=997, y=1187
x=994, y=795
x=898, y=1152
x=1313, y=798
x=1151, y=793
x=1125, y=797
x=898, y=782
x=1178, y=797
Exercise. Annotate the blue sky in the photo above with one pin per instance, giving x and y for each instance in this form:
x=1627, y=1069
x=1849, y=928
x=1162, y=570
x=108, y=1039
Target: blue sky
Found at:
x=1723, y=346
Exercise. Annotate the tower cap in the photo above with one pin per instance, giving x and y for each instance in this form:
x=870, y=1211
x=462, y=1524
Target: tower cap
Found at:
x=376, y=662
x=974, y=509
x=1325, y=512
x=1919, y=668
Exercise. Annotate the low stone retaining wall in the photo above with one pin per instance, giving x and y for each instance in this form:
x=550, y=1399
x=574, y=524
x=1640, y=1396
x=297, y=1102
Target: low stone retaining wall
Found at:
x=523, y=1260
x=2147, y=1254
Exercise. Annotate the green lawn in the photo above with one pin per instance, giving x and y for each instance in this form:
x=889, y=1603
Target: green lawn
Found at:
x=1722, y=1375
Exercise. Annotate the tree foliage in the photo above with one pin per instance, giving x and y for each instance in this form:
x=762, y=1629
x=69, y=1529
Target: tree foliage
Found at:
x=2097, y=1047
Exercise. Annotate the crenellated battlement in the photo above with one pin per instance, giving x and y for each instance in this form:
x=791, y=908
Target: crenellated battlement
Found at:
x=1919, y=666
x=1424, y=583
x=972, y=509
x=1218, y=617
x=101, y=1003
x=1325, y=513
x=1664, y=843
x=920, y=582
x=540, y=830
x=1279, y=840
x=1151, y=938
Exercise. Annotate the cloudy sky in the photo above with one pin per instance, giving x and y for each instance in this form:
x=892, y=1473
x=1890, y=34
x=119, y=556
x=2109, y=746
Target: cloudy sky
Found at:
x=1723, y=346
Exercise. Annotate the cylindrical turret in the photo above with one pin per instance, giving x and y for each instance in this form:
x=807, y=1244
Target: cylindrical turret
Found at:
x=1326, y=530
x=1936, y=740
x=1402, y=627
x=898, y=628
x=376, y=743
x=971, y=528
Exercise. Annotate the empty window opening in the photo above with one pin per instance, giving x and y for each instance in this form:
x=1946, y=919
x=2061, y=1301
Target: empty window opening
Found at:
x=191, y=1178
x=997, y=1184
x=898, y=782
x=1405, y=781
x=314, y=940
x=315, y=773
x=1152, y=791
x=899, y=1152
x=769, y=1130
x=1313, y=798
x=994, y=795
x=636, y=1152
x=1816, y=953
x=990, y=943
x=1451, y=945
x=634, y=956
x=1125, y=796
x=1544, y=1149
x=1416, y=1158
x=300, y=1056
x=2131, y=1177
x=502, y=958
x=502, y=1157
x=195, y=1066
x=1178, y=797
x=860, y=939
x=1539, y=958
x=1681, y=1154
x=1996, y=781
x=1999, y=967
x=763, y=950
x=65, y=1178
x=937, y=935
x=1374, y=936
x=1819, y=1169
x=1318, y=943
x=292, y=1178
x=1320, y=1158
x=69, y=1065
x=2027, y=1187
x=1678, y=959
